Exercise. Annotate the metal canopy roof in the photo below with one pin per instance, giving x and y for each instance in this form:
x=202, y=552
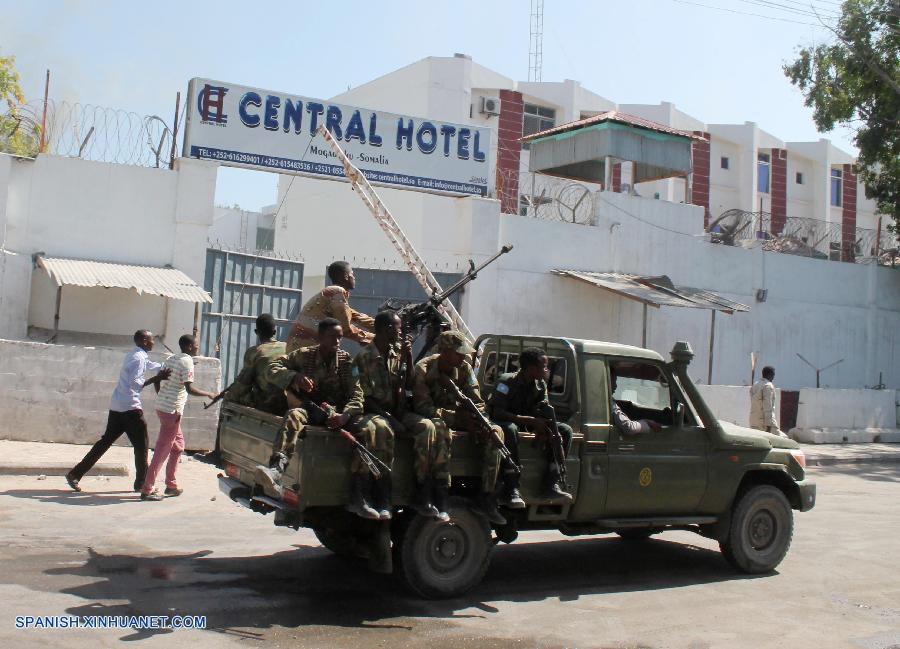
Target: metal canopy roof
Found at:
x=656, y=291
x=165, y=282
x=579, y=149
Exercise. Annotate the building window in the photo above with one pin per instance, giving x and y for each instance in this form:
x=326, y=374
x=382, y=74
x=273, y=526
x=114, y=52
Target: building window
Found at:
x=524, y=204
x=725, y=162
x=536, y=119
x=265, y=238
x=836, y=187
x=763, y=165
x=799, y=178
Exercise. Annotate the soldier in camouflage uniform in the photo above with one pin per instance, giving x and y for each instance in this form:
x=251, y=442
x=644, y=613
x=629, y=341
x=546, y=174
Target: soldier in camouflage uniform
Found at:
x=432, y=399
x=384, y=370
x=323, y=373
x=251, y=387
x=517, y=404
x=331, y=302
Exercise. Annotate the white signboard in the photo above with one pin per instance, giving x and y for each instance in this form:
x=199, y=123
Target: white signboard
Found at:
x=275, y=131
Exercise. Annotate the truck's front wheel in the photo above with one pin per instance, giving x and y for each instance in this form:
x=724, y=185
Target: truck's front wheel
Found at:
x=446, y=559
x=762, y=525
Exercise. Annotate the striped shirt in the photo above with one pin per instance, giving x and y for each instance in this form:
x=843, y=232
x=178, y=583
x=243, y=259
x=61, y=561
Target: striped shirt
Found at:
x=173, y=395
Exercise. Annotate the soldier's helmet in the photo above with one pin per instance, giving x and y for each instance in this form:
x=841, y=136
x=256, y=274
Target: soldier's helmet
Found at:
x=455, y=341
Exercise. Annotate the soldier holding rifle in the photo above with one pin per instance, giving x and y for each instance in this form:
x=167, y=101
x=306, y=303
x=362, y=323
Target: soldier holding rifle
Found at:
x=385, y=372
x=322, y=374
x=437, y=382
x=520, y=402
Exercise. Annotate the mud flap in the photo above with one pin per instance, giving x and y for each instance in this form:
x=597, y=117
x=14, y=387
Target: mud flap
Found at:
x=380, y=557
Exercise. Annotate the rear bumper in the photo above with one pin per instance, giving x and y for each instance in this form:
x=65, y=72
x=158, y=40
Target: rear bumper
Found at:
x=807, y=495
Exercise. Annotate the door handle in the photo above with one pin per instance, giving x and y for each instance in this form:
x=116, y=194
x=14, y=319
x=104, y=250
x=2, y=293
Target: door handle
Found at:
x=626, y=447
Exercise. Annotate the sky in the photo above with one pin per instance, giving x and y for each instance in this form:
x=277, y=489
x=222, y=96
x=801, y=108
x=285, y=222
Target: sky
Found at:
x=711, y=58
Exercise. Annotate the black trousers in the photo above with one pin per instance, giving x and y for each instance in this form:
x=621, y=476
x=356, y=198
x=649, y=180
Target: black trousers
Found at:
x=131, y=423
x=511, y=438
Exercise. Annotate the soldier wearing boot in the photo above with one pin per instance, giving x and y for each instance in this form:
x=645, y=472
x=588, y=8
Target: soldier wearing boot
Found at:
x=383, y=368
x=516, y=406
x=432, y=399
x=324, y=374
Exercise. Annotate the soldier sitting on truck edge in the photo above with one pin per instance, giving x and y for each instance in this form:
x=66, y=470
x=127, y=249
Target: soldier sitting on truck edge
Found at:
x=312, y=377
x=516, y=404
x=251, y=387
x=385, y=369
x=621, y=420
x=432, y=399
x=331, y=302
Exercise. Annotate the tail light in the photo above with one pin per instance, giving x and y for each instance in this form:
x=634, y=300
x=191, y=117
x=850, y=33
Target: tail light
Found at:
x=232, y=471
x=290, y=497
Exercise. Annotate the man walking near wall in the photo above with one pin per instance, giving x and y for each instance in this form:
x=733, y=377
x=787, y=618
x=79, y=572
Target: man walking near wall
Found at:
x=331, y=302
x=169, y=408
x=126, y=414
x=762, y=403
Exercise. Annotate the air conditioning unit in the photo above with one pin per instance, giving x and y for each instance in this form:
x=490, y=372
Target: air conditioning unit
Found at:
x=490, y=105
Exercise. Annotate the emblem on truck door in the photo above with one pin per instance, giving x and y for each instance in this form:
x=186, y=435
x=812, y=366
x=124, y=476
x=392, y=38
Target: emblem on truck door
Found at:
x=646, y=476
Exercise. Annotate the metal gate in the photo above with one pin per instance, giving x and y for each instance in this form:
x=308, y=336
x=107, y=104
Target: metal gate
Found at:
x=374, y=286
x=242, y=287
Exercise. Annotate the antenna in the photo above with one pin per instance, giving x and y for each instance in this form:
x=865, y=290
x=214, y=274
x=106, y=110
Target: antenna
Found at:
x=536, y=44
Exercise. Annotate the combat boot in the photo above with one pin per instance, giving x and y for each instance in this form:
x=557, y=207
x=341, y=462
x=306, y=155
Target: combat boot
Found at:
x=422, y=500
x=509, y=496
x=486, y=505
x=358, y=504
x=269, y=478
x=381, y=496
x=441, y=490
x=553, y=493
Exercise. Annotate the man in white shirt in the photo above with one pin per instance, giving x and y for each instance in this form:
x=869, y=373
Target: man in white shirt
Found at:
x=762, y=403
x=125, y=411
x=169, y=407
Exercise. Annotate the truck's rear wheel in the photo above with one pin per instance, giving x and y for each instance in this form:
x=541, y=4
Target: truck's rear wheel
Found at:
x=446, y=559
x=762, y=525
x=344, y=544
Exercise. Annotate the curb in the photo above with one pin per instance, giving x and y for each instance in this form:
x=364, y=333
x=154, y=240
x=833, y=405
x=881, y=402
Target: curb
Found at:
x=866, y=459
x=61, y=468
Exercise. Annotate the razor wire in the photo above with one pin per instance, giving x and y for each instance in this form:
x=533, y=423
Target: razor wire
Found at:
x=100, y=133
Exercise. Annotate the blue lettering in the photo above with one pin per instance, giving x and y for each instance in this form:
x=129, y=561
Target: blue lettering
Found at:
x=333, y=121
x=249, y=99
x=374, y=138
x=404, y=132
x=314, y=109
x=292, y=113
x=477, y=154
x=429, y=129
x=270, y=117
x=462, y=143
x=355, y=128
x=447, y=131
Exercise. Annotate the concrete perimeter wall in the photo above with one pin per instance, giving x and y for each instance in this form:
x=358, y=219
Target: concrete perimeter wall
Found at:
x=732, y=402
x=60, y=393
x=849, y=409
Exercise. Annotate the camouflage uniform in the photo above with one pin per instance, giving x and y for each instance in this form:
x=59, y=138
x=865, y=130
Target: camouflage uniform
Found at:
x=251, y=387
x=335, y=382
x=379, y=378
x=433, y=400
x=330, y=302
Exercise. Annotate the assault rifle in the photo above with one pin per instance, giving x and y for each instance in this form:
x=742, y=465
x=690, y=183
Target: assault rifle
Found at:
x=555, y=440
x=299, y=399
x=420, y=316
x=484, y=425
x=218, y=397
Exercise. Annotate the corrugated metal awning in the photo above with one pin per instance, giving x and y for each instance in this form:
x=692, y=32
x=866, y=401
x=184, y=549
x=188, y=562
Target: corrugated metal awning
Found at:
x=165, y=282
x=656, y=291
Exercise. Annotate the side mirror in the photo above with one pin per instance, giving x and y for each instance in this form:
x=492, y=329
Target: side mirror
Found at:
x=679, y=414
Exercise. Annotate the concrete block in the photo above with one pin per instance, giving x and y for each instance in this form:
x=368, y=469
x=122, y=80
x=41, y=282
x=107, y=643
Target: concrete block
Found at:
x=845, y=435
x=59, y=468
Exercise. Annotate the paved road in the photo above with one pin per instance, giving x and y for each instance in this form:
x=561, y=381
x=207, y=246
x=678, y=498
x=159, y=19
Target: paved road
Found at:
x=106, y=553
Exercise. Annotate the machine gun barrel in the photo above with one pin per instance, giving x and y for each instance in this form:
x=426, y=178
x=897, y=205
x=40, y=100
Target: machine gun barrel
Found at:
x=470, y=275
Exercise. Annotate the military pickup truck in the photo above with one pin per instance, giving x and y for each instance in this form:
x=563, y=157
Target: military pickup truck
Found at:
x=728, y=483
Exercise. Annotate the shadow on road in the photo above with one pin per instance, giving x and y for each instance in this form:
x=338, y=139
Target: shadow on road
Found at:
x=308, y=586
x=68, y=497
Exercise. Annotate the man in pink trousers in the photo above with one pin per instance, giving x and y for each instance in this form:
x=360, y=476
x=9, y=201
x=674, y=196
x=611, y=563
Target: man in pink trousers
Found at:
x=169, y=407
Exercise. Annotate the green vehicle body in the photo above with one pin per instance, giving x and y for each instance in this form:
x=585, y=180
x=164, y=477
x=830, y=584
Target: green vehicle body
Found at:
x=723, y=481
